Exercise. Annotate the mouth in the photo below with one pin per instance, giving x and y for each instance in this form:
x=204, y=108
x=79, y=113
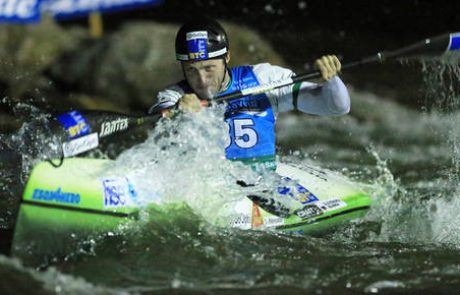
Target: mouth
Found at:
x=207, y=92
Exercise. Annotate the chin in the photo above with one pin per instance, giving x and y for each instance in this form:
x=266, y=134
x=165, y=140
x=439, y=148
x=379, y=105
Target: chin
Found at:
x=207, y=94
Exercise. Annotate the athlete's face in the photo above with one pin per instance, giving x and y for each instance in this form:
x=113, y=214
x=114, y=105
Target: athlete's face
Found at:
x=205, y=77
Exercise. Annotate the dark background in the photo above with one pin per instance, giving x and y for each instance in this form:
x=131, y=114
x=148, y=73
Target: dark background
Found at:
x=303, y=30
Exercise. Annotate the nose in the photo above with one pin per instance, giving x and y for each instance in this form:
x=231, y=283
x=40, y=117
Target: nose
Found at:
x=203, y=78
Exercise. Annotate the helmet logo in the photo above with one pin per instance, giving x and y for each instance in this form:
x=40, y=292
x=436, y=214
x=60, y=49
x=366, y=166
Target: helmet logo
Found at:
x=197, y=44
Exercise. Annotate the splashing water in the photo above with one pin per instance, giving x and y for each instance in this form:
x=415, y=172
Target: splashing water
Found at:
x=182, y=161
x=37, y=139
x=441, y=78
x=407, y=160
x=426, y=212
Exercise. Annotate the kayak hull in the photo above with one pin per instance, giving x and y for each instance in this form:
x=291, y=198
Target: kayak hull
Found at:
x=63, y=206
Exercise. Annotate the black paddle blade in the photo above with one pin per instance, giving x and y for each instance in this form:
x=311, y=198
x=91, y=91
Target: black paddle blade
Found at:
x=435, y=46
x=81, y=123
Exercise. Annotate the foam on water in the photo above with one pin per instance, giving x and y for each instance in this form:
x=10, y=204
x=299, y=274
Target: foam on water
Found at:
x=50, y=281
x=407, y=160
x=183, y=161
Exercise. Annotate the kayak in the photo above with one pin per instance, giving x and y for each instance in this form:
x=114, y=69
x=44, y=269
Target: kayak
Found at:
x=62, y=204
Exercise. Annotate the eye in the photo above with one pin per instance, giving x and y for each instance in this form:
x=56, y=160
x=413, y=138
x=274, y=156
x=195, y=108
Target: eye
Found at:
x=190, y=70
x=209, y=68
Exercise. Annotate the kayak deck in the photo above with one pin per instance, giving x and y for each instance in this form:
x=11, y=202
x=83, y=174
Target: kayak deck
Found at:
x=61, y=205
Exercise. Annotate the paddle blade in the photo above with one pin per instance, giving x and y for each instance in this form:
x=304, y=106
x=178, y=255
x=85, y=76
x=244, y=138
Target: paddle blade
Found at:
x=454, y=42
x=435, y=46
x=78, y=124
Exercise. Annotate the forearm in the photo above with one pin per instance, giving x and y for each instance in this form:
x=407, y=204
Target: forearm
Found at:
x=328, y=99
x=167, y=99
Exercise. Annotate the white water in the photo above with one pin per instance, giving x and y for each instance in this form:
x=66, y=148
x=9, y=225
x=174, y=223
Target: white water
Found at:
x=405, y=159
x=183, y=161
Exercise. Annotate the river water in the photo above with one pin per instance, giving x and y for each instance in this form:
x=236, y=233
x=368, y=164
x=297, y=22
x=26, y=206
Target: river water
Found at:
x=409, y=161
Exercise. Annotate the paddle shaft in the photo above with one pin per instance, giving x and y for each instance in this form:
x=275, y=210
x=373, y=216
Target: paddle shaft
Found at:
x=430, y=46
x=105, y=124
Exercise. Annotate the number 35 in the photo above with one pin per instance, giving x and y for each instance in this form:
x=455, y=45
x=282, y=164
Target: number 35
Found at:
x=244, y=135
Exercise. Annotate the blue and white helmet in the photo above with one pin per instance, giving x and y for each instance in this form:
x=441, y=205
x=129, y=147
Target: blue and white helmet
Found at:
x=201, y=40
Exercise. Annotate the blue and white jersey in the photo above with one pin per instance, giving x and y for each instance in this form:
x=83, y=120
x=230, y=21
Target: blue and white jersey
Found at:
x=251, y=119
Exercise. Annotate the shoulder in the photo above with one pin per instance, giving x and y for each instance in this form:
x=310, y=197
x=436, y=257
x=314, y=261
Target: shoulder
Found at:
x=169, y=96
x=263, y=72
x=266, y=72
x=171, y=93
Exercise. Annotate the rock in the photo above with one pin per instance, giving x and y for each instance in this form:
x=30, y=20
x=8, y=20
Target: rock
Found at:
x=27, y=51
x=131, y=65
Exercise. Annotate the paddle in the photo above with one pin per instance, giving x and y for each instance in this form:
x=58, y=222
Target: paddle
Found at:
x=85, y=128
x=433, y=46
x=79, y=131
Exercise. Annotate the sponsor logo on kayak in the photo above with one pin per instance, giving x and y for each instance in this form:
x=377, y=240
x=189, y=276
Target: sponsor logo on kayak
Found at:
x=308, y=211
x=317, y=173
x=273, y=221
x=320, y=207
x=331, y=204
x=303, y=195
x=108, y=128
x=57, y=196
x=242, y=221
x=118, y=192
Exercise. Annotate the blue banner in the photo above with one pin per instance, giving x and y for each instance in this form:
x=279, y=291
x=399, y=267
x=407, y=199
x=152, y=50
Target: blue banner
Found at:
x=454, y=42
x=63, y=9
x=20, y=11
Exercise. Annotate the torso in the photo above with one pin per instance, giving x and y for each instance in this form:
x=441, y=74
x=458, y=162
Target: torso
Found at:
x=251, y=122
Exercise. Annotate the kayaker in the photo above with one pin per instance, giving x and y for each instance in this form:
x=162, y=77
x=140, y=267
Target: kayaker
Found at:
x=202, y=47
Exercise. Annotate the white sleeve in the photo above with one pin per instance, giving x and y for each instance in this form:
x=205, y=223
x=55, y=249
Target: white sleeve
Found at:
x=167, y=98
x=330, y=98
x=281, y=98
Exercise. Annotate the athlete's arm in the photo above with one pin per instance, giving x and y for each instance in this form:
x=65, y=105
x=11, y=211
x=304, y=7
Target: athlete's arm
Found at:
x=327, y=99
x=167, y=98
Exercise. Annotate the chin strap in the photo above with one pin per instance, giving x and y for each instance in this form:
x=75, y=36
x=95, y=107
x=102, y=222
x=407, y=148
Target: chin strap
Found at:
x=226, y=72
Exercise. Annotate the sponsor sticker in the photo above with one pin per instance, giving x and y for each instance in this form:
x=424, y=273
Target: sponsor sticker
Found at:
x=317, y=173
x=309, y=211
x=331, y=204
x=57, y=196
x=75, y=124
x=302, y=194
x=266, y=87
x=242, y=221
x=111, y=127
x=80, y=145
x=241, y=216
x=319, y=208
x=118, y=192
x=197, y=45
x=270, y=221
